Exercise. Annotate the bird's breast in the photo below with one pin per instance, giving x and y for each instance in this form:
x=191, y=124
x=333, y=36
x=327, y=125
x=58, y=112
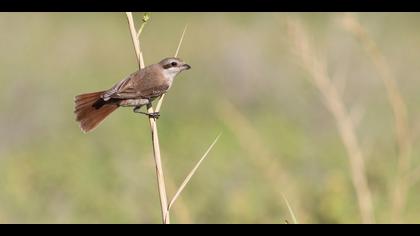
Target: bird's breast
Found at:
x=167, y=78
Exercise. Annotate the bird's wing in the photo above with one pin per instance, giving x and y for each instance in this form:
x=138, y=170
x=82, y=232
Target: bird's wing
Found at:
x=155, y=91
x=117, y=89
x=142, y=84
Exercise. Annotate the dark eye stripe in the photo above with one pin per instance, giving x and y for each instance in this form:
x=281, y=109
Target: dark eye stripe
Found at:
x=167, y=66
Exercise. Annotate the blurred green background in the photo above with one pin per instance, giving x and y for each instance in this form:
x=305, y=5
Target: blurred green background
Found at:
x=246, y=82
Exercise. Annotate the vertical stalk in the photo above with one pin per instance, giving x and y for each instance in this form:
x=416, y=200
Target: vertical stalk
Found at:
x=153, y=127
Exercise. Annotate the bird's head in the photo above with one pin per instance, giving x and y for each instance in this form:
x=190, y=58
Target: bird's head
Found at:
x=173, y=66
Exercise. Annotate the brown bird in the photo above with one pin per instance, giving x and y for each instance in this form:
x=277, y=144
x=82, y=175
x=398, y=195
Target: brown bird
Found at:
x=139, y=89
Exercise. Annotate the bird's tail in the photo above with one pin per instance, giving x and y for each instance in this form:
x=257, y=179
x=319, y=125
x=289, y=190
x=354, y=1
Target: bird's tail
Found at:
x=91, y=110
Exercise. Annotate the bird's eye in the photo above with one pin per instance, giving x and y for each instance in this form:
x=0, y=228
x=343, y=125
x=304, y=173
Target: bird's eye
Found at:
x=174, y=64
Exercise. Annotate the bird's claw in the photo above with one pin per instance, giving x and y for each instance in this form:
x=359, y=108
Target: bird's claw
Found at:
x=154, y=115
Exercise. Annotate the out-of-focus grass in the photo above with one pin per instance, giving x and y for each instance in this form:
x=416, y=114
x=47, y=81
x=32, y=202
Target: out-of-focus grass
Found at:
x=318, y=74
x=52, y=172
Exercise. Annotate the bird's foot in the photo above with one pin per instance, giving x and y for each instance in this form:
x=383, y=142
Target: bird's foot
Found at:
x=154, y=115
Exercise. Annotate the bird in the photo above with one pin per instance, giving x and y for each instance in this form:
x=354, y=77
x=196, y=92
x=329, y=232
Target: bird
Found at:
x=138, y=89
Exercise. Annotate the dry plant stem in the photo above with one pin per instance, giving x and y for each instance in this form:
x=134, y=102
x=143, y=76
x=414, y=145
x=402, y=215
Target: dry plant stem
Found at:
x=180, y=210
x=292, y=214
x=159, y=169
x=145, y=18
x=192, y=172
x=190, y=175
x=135, y=40
x=158, y=106
x=319, y=77
x=152, y=121
x=399, y=109
x=153, y=127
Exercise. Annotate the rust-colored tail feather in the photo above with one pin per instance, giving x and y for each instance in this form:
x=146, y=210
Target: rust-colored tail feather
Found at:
x=89, y=115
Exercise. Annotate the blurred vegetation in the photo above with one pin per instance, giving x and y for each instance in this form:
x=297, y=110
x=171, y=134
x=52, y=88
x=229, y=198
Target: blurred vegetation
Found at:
x=246, y=81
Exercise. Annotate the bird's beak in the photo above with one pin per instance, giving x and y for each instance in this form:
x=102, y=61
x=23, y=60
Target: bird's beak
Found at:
x=186, y=67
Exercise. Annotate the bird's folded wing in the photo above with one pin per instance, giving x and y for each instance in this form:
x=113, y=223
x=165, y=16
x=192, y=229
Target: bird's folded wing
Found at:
x=123, y=90
x=141, y=85
x=155, y=91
